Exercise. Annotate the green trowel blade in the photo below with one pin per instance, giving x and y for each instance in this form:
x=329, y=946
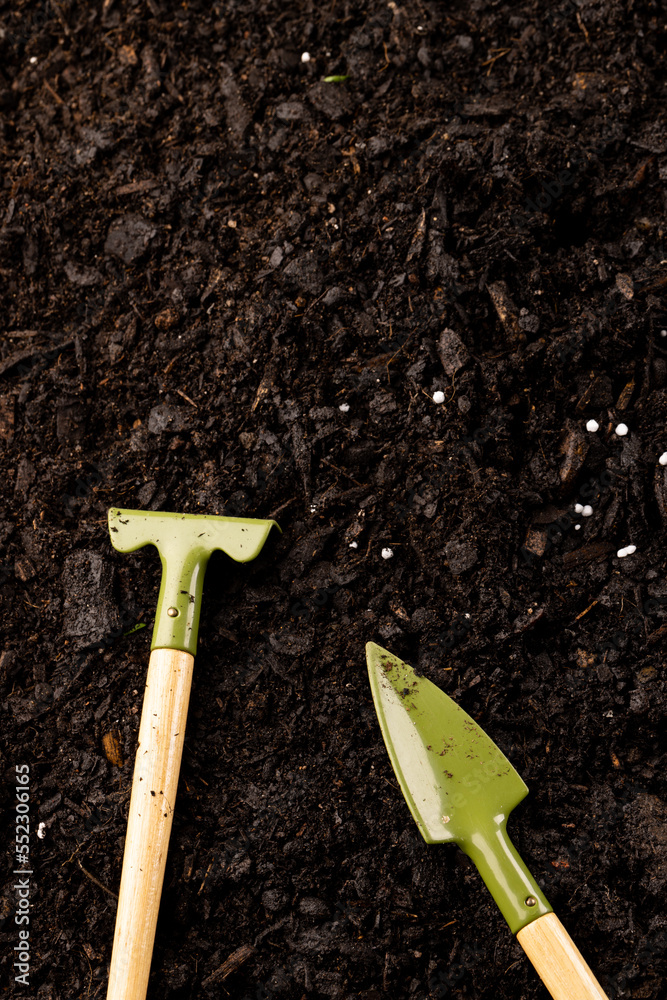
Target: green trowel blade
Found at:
x=459, y=786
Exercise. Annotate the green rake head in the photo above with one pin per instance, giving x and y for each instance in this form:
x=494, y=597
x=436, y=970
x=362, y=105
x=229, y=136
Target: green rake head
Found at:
x=185, y=543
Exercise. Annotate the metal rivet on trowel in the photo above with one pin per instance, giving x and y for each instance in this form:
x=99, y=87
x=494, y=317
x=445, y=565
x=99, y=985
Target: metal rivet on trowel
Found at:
x=172, y=612
x=530, y=901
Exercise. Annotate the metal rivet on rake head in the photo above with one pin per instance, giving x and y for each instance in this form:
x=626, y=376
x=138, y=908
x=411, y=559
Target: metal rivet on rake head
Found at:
x=530, y=901
x=172, y=612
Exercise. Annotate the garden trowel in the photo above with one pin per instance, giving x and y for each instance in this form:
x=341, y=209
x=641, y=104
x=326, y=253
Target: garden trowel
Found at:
x=461, y=789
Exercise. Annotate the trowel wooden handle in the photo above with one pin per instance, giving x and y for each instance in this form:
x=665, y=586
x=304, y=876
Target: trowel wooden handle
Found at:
x=158, y=761
x=558, y=961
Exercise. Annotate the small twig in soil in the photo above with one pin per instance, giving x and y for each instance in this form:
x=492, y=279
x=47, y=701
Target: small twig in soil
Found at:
x=96, y=880
x=342, y=472
x=61, y=18
x=491, y=61
x=52, y=92
x=71, y=857
x=273, y=513
x=395, y=355
x=581, y=615
x=583, y=28
x=231, y=964
x=274, y=927
x=204, y=879
x=187, y=398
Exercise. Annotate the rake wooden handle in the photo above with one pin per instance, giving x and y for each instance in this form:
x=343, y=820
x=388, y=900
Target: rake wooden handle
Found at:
x=158, y=761
x=558, y=961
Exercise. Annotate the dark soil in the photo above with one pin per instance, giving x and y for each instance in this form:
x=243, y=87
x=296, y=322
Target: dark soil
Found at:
x=206, y=251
